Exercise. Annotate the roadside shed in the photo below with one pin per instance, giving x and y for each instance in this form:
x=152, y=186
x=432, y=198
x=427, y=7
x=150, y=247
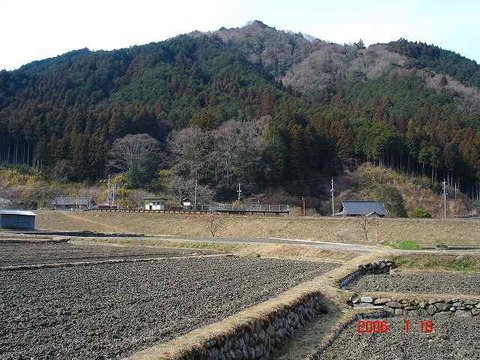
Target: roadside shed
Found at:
x=153, y=203
x=17, y=219
x=73, y=203
x=362, y=208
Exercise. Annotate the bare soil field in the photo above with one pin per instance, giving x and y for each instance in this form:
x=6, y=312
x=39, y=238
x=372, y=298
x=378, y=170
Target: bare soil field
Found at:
x=27, y=253
x=112, y=310
x=426, y=232
x=425, y=282
x=452, y=338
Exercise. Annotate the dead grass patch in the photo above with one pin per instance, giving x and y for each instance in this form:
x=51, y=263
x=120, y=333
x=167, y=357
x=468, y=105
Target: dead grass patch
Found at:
x=296, y=252
x=426, y=232
x=434, y=262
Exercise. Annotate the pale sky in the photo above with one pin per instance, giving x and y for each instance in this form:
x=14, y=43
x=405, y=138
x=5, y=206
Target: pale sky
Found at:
x=36, y=29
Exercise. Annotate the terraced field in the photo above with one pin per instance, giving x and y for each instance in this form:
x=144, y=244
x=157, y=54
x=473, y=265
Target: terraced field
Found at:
x=112, y=310
x=421, y=282
x=14, y=253
x=452, y=338
x=454, y=325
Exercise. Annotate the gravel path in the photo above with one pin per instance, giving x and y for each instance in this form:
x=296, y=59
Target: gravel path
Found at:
x=112, y=310
x=435, y=283
x=453, y=339
x=27, y=253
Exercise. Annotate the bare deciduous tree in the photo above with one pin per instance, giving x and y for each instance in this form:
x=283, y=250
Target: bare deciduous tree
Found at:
x=215, y=224
x=238, y=151
x=368, y=224
x=133, y=150
x=364, y=226
x=221, y=157
x=138, y=155
x=182, y=189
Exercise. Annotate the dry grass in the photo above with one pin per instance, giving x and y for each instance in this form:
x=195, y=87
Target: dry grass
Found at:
x=296, y=252
x=426, y=232
x=431, y=262
x=161, y=243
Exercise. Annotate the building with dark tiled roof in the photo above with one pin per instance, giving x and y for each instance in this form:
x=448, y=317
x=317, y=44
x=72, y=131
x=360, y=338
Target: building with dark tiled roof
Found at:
x=362, y=208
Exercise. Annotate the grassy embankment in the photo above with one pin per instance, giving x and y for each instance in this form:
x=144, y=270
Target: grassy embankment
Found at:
x=432, y=262
x=425, y=232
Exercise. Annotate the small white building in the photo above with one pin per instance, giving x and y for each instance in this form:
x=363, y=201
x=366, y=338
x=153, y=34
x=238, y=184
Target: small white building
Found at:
x=153, y=204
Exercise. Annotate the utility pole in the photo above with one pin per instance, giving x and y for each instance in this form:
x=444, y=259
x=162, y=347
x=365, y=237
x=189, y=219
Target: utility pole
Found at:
x=332, y=190
x=109, y=196
x=114, y=194
x=444, y=185
x=239, y=191
x=195, y=198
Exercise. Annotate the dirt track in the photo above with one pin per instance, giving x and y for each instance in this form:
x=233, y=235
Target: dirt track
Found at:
x=112, y=310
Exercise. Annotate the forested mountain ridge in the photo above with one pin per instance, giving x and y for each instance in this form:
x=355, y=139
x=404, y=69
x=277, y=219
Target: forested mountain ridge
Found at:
x=317, y=106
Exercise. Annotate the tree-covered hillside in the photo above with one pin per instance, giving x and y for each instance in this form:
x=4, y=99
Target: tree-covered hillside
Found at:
x=70, y=109
x=251, y=105
x=442, y=61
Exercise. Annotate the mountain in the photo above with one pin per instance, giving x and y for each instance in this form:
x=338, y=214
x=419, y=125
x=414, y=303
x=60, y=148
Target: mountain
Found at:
x=322, y=106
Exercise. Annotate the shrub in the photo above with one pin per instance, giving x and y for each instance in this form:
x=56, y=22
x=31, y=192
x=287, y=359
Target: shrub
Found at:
x=403, y=244
x=392, y=198
x=420, y=213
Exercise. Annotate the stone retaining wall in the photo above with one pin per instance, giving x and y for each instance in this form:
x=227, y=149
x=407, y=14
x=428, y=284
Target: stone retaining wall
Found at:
x=261, y=337
x=377, y=267
x=464, y=308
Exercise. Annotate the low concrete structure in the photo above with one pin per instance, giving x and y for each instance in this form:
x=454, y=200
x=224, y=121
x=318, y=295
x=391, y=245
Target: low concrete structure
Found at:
x=153, y=204
x=17, y=219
